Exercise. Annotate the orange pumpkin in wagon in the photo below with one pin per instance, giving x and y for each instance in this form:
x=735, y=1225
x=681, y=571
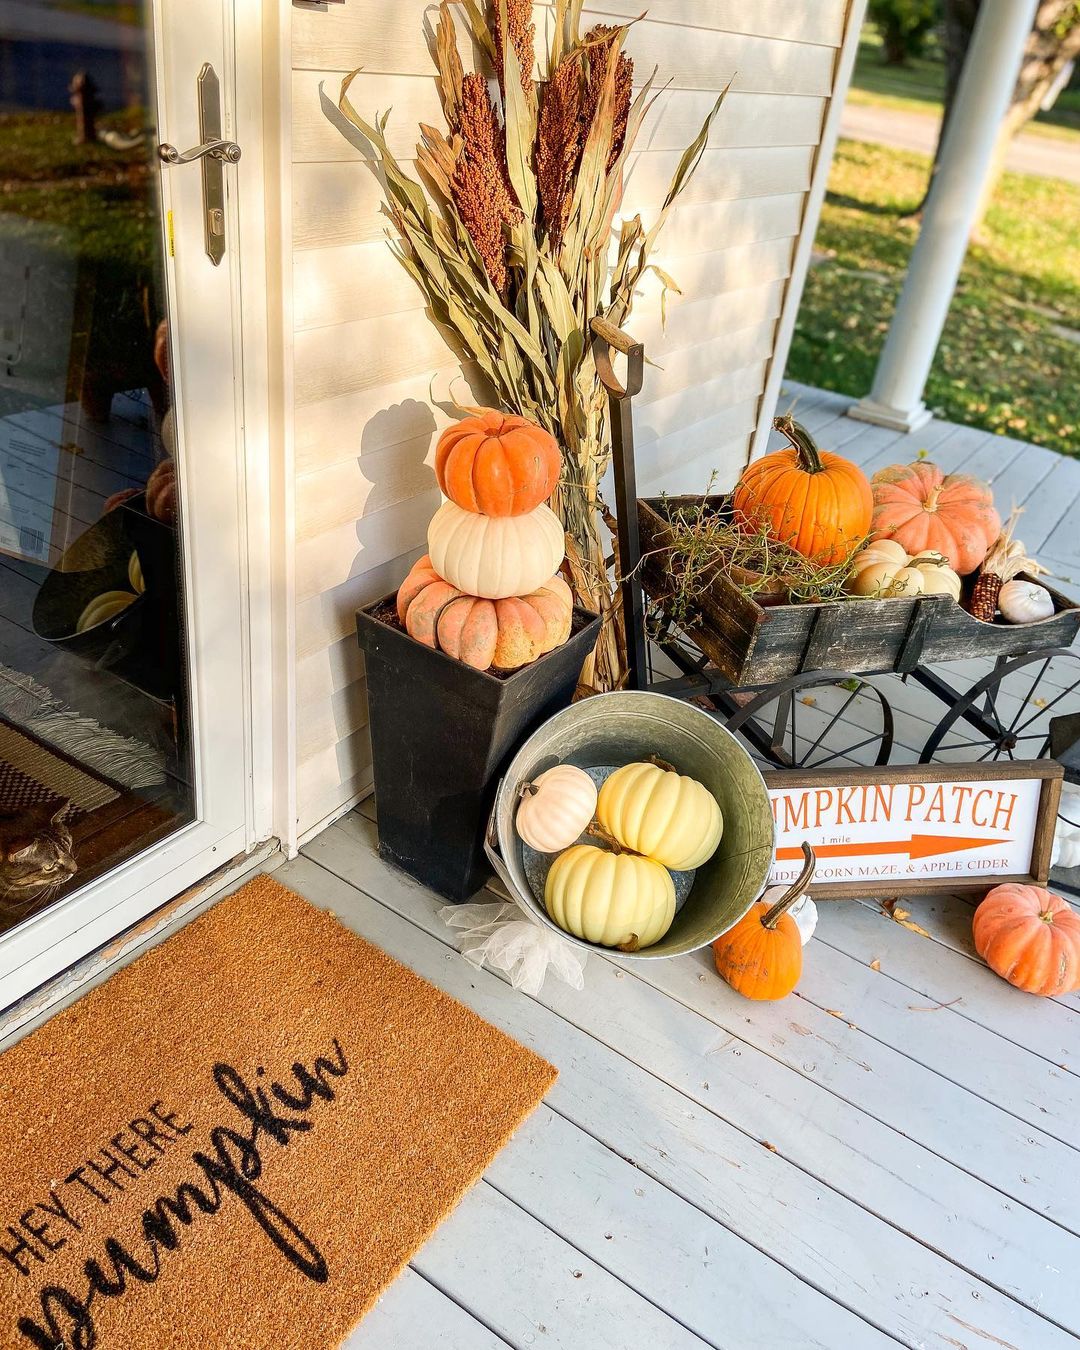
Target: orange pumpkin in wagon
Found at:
x=817, y=502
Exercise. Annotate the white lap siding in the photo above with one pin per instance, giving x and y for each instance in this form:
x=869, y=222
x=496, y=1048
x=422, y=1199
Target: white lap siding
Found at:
x=369, y=369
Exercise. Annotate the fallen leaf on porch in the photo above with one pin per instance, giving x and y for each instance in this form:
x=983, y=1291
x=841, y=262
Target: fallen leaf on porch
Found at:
x=903, y=918
x=1039, y=702
x=875, y=964
x=809, y=700
x=771, y=1147
x=934, y=1007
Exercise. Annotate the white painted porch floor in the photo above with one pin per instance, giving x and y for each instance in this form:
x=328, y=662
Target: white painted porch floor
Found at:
x=891, y=1156
x=888, y=1157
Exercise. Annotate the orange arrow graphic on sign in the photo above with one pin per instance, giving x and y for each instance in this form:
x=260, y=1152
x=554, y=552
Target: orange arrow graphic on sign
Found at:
x=918, y=846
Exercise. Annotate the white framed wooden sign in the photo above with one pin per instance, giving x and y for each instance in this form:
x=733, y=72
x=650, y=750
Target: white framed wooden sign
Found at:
x=916, y=828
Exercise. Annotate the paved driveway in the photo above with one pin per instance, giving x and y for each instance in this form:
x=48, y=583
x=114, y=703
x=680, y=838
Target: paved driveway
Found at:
x=918, y=131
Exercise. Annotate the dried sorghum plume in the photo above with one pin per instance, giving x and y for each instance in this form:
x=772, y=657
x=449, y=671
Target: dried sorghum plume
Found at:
x=599, y=40
x=522, y=32
x=559, y=144
x=481, y=186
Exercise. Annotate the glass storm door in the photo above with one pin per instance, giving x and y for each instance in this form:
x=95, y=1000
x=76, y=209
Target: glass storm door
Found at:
x=122, y=657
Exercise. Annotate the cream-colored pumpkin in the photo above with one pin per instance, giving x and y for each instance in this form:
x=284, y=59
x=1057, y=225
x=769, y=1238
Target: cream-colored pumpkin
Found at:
x=662, y=814
x=883, y=570
x=102, y=608
x=135, y=575
x=938, y=577
x=495, y=557
x=556, y=808
x=613, y=899
x=885, y=579
x=884, y=550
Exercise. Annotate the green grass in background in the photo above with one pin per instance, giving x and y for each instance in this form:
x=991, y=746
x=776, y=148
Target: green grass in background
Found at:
x=1001, y=364
x=919, y=87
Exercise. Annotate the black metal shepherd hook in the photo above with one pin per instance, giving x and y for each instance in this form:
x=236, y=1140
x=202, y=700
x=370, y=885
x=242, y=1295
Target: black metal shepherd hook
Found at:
x=606, y=339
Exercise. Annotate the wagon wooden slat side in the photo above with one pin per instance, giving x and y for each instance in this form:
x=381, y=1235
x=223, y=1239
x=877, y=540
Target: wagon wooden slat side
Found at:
x=752, y=645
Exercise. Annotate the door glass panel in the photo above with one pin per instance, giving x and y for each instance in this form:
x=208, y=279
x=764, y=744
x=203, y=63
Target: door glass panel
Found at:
x=95, y=756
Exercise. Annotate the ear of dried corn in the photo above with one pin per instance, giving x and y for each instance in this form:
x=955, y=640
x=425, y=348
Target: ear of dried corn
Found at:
x=507, y=235
x=1006, y=559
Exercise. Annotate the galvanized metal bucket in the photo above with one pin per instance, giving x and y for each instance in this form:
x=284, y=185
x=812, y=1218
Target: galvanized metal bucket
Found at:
x=626, y=726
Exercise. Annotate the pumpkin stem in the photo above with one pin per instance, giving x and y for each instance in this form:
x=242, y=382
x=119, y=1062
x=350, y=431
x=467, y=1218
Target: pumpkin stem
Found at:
x=797, y=887
x=800, y=441
x=661, y=764
x=597, y=831
x=528, y=790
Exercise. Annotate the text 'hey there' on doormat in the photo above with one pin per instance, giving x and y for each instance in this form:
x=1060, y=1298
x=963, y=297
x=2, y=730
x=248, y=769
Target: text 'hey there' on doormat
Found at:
x=240, y=1139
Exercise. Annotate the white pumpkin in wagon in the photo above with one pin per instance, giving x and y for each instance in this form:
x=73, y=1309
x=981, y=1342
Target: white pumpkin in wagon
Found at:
x=884, y=570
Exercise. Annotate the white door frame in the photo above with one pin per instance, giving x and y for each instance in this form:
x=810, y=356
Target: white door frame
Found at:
x=229, y=531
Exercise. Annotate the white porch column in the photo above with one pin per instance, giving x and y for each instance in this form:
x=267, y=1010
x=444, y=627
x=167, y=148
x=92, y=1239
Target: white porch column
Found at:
x=982, y=98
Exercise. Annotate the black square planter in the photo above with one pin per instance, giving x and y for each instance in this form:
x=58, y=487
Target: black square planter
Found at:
x=441, y=735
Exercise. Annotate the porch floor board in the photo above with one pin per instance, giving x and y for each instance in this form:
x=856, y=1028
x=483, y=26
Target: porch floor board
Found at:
x=888, y=1157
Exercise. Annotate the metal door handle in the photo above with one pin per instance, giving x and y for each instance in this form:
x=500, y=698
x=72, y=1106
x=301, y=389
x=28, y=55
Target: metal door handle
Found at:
x=214, y=153
x=228, y=151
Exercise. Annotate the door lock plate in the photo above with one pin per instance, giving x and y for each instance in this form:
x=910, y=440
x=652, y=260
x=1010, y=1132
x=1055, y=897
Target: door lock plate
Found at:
x=213, y=169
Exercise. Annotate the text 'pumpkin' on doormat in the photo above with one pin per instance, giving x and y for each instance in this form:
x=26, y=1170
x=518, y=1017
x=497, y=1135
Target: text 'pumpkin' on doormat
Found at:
x=239, y=1140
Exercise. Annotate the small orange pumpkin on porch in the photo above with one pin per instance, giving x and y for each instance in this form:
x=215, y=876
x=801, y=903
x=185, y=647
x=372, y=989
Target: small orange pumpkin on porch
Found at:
x=497, y=465
x=761, y=957
x=1030, y=937
x=817, y=502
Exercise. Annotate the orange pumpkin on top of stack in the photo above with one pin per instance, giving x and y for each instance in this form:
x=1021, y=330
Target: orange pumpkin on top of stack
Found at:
x=488, y=591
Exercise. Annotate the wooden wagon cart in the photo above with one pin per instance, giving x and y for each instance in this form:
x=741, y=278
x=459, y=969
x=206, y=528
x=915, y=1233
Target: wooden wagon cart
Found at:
x=797, y=682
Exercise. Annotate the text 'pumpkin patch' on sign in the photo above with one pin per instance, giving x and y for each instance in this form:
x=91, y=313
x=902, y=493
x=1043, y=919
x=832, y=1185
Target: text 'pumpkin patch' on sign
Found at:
x=922, y=827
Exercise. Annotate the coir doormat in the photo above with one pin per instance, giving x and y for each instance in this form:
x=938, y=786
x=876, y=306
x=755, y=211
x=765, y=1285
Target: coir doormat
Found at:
x=240, y=1139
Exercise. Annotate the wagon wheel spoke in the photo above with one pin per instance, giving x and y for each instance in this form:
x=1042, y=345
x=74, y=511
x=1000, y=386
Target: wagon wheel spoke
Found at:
x=828, y=727
x=1028, y=698
x=847, y=753
x=1045, y=708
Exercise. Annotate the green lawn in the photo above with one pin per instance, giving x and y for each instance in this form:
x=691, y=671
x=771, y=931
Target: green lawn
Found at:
x=1000, y=365
x=918, y=87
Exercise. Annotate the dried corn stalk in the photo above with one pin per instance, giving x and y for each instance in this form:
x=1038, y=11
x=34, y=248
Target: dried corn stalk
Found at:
x=508, y=237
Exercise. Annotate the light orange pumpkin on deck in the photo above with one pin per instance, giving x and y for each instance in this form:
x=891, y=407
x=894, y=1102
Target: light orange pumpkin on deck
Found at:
x=497, y=465
x=927, y=511
x=1030, y=937
x=481, y=633
x=817, y=502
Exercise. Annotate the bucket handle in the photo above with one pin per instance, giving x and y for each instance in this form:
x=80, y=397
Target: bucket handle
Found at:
x=494, y=856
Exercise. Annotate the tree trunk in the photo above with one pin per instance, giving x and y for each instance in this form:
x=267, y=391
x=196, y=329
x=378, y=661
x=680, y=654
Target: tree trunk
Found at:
x=960, y=16
x=1053, y=42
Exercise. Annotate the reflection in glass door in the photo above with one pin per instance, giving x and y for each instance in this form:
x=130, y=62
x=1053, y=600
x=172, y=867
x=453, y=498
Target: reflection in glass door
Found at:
x=95, y=753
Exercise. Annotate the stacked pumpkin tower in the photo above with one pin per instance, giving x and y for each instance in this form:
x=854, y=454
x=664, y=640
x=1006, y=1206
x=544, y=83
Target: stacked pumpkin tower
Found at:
x=488, y=591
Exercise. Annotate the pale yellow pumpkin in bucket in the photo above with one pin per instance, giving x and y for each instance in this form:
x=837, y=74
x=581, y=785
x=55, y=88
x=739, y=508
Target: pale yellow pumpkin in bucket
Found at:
x=612, y=899
x=661, y=813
